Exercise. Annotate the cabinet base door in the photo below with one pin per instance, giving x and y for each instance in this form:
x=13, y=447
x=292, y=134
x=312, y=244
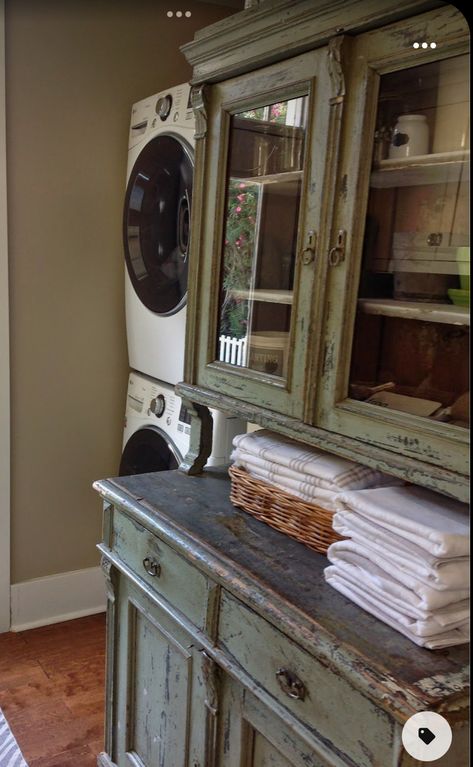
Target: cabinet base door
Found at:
x=251, y=735
x=159, y=714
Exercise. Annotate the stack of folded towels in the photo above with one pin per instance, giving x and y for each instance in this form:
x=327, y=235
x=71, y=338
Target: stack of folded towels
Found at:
x=305, y=472
x=406, y=561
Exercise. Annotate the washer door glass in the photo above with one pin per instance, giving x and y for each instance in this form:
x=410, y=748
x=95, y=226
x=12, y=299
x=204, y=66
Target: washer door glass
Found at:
x=148, y=450
x=156, y=223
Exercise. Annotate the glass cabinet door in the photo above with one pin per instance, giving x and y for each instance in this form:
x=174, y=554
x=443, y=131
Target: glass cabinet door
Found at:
x=398, y=372
x=266, y=161
x=414, y=291
x=263, y=195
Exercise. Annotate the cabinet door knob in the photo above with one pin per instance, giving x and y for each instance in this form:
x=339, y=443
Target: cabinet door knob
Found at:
x=434, y=239
x=337, y=254
x=290, y=684
x=308, y=254
x=152, y=567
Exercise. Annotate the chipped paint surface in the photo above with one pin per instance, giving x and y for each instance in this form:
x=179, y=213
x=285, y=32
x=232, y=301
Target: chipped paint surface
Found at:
x=436, y=685
x=270, y=608
x=368, y=448
x=283, y=580
x=344, y=186
x=314, y=407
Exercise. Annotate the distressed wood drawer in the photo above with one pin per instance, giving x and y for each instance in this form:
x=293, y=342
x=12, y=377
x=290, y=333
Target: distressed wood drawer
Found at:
x=166, y=572
x=327, y=705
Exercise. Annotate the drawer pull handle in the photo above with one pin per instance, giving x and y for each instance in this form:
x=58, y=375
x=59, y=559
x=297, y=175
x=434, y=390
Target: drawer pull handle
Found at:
x=152, y=567
x=290, y=684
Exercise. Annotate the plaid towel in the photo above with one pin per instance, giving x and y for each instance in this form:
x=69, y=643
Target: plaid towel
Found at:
x=284, y=457
x=298, y=488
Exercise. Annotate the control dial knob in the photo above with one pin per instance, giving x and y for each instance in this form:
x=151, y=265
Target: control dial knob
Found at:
x=163, y=106
x=158, y=405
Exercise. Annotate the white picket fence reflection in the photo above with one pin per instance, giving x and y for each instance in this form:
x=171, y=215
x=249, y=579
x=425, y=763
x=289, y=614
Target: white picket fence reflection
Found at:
x=233, y=350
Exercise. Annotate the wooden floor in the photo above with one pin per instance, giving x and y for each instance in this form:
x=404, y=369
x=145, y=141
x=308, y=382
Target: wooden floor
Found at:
x=52, y=691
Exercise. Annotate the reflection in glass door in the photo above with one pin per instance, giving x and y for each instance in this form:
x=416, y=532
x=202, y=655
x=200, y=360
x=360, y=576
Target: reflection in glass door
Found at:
x=263, y=192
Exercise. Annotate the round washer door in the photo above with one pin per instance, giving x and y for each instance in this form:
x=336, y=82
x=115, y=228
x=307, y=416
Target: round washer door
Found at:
x=148, y=449
x=156, y=223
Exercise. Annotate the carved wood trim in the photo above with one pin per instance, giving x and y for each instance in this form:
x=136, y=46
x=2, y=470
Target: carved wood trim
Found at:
x=200, y=445
x=198, y=101
x=335, y=67
x=106, y=566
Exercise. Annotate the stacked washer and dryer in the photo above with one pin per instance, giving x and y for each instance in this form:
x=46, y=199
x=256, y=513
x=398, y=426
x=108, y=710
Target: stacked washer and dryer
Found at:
x=156, y=228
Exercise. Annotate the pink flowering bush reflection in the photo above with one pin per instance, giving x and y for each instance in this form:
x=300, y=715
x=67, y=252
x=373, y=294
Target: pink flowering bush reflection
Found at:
x=239, y=245
x=239, y=240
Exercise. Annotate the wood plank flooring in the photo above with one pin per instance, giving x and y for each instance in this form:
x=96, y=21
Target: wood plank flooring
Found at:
x=52, y=691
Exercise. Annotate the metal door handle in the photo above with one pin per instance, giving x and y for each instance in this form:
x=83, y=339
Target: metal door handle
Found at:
x=337, y=254
x=290, y=684
x=308, y=253
x=434, y=239
x=152, y=567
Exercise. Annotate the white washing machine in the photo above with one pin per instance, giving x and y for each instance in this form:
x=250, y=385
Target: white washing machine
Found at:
x=157, y=429
x=156, y=221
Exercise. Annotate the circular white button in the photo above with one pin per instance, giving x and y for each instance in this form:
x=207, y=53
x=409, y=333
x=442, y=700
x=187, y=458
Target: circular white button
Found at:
x=426, y=736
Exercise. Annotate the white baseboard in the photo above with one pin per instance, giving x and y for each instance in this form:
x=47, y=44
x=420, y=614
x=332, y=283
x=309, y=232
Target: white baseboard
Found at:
x=57, y=598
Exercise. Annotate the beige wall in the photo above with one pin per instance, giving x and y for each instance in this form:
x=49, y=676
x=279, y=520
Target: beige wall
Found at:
x=4, y=355
x=73, y=69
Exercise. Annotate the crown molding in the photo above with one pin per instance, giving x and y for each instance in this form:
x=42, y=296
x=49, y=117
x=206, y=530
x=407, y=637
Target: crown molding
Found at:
x=278, y=29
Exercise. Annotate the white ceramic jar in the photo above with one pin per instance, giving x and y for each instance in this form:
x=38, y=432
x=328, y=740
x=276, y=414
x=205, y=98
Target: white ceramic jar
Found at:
x=452, y=116
x=410, y=137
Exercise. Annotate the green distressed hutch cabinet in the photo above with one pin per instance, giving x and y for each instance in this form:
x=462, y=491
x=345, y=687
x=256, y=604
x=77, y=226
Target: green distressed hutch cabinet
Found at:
x=328, y=301
x=329, y=283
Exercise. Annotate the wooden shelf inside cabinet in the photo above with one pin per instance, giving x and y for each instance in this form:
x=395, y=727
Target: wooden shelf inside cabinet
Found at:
x=424, y=169
x=267, y=296
x=426, y=312
x=271, y=178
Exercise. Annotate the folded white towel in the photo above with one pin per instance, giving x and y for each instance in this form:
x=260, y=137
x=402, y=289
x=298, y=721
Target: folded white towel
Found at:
x=327, y=471
x=421, y=622
x=437, y=524
x=394, y=586
x=298, y=488
x=413, y=629
x=399, y=553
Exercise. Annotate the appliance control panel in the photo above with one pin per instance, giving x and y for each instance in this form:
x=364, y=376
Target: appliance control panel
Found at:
x=184, y=424
x=158, y=405
x=167, y=109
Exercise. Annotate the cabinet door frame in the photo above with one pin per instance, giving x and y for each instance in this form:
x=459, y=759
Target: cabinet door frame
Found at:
x=130, y=602
x=309, y=73
x=375, y=53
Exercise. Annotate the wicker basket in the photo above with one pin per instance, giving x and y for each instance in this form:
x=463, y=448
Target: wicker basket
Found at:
x=306, y=522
